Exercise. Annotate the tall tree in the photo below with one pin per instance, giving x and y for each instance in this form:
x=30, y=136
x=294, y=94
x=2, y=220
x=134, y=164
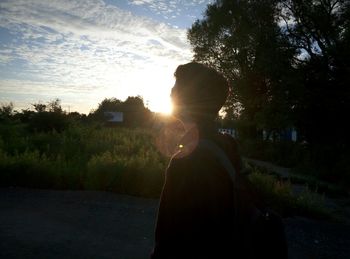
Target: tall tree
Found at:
x=289, y=64
x=243, y=40
x=320, y=31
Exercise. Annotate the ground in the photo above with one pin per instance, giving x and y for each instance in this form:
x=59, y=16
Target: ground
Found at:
x=86, y=224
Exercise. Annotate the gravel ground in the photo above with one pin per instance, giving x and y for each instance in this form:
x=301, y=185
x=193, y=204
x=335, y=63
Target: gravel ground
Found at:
x=85, y=224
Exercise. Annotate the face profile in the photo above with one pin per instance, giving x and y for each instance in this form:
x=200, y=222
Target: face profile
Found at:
x=199, y=93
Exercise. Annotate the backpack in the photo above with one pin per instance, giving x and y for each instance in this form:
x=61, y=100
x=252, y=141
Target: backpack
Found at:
x=261, y=234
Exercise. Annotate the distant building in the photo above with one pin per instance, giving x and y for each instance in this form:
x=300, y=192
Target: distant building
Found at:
x=231, y=132
x=114, y=117
x=289, y=134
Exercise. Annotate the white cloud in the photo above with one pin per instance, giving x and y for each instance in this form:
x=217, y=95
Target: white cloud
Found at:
x=141, y=2
x=83, y=47
x=174, y=8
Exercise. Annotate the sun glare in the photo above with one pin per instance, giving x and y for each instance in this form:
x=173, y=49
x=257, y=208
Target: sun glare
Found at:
x=161, y=104
x=157, y=93
x=153, y=85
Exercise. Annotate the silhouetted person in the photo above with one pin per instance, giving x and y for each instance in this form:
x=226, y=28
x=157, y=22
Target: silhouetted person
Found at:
x=197, y=216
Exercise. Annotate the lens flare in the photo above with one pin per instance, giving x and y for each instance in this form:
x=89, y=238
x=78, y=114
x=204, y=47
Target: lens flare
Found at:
x=177, y=140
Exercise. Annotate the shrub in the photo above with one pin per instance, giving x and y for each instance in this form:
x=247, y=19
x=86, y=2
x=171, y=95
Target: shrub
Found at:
x=138, y=174
x=48, y=121
x=279, y=195
x=103, y=171
x=312, y=204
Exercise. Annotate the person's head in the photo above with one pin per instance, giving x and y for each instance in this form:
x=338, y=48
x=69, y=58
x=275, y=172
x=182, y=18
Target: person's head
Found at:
x=199, y=93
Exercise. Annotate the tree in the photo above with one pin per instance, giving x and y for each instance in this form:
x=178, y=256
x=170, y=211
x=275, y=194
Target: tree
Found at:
x=242, y=39
x=133, y=108
x=39, y=107
x=6, y=111
x=109, y=104
x=48, y=117
x=288, y=62
x=54, y=106
x=136, y=114
x=320, y=31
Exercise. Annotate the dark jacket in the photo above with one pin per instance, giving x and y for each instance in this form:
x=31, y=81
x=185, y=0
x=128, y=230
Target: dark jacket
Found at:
x=196, y=211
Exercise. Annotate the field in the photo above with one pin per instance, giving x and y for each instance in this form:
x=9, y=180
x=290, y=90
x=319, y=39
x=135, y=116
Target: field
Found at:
x=82, y=157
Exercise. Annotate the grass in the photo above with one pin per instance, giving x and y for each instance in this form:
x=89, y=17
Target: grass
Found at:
x=330, y=189
x=82, y=157
x=279, y=195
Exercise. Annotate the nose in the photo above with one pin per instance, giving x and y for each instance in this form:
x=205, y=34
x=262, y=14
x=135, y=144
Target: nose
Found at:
x=173, y=92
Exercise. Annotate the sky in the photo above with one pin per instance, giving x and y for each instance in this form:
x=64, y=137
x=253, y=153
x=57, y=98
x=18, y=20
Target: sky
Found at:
x=82, y=51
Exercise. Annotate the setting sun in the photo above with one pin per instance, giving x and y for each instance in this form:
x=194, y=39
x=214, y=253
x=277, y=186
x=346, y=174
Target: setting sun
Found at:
x=155, y=88
x=162, y=105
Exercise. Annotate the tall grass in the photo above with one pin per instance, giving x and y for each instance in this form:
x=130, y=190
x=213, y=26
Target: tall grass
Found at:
x=82, y=157
x=280, y=196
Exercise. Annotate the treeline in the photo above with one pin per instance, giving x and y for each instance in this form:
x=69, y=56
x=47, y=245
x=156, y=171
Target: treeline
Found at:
x=47, y=117
x=288, y=62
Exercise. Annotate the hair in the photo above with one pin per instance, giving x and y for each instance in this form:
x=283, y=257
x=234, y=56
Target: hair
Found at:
x=200, y=91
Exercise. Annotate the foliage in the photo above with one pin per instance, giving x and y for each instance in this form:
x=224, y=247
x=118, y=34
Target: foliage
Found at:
x=81, y=157
x=48, y=117
x=48, y=121
x=288, y=64
x=321, y=31
x=6, y=111
x=279, y=195
x=242, y=40
x=283, y=153
x=135, y=114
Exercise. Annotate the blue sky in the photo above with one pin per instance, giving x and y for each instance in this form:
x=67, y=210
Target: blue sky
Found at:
x=82, y=51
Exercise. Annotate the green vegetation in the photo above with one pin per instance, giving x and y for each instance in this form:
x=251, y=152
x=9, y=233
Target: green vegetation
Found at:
x=73, y=154
x=280, y=196
x=121, y=160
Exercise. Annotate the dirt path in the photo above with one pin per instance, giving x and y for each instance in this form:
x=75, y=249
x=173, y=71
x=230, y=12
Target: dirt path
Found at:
x=80, y=224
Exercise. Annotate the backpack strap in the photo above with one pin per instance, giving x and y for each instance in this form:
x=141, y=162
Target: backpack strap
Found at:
x=221, y=156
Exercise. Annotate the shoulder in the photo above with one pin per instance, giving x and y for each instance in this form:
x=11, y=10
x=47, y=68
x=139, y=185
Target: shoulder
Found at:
x=230, y=145
x=197, y=158
x=199, y=164
x=227, y=141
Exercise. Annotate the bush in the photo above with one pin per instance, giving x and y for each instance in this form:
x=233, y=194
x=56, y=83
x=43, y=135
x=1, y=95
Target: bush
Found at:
x=322, y=162
x=31, y=169
x=103, y=171
x=140, y=173
x=279, y=195
x=312, y=204
x=48, y=121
